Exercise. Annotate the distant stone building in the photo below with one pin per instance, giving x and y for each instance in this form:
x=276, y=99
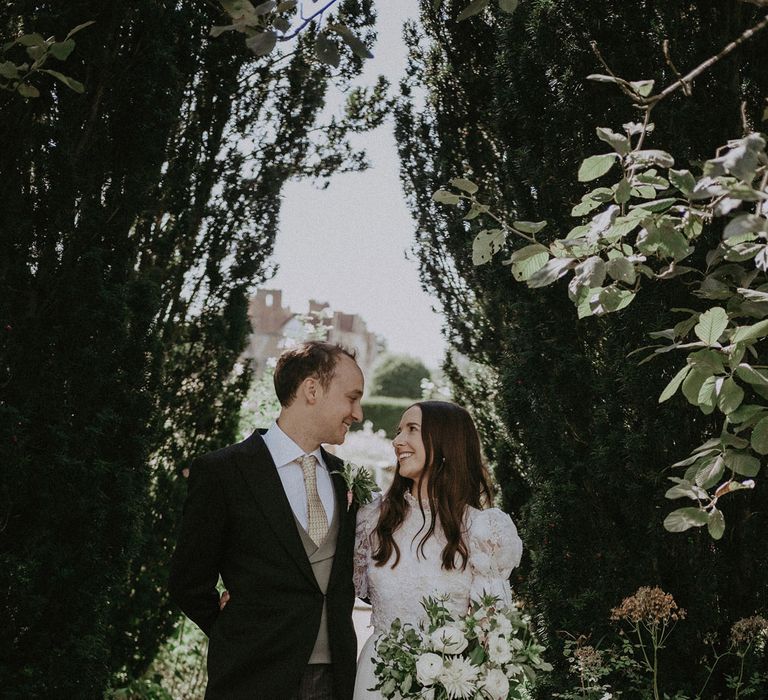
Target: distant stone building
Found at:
x=275, y=326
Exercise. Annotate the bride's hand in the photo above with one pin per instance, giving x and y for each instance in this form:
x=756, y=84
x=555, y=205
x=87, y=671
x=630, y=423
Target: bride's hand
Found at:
x=224, y=600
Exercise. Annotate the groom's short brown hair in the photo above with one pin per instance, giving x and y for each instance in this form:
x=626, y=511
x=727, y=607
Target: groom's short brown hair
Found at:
x=313, y=358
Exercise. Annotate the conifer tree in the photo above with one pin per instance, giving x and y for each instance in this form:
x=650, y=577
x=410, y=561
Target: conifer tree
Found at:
x=136, y=217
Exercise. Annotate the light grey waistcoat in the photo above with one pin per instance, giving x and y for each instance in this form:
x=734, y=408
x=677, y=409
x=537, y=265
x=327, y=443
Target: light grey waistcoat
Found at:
x=321, y=559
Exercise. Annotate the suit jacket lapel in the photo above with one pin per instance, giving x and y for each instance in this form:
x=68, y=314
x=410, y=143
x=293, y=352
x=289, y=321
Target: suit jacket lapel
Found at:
x=259, y=471
x=334, y=465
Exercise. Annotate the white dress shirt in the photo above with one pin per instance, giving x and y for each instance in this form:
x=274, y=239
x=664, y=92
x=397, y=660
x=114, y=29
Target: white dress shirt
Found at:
x=284, y=452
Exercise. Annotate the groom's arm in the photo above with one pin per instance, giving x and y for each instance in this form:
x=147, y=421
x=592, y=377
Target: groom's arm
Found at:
x=195, y=565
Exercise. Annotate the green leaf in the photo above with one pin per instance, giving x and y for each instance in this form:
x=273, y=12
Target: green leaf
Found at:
x=759, y=438
x=750, y=375
x=618, y=142
x=265, y=8
x=461, y=183
x=79, y=27
x=62, y=49
x=610, y=299
x=674, y=385
x=683, y=519
x=742, y=463
x=71, y=83
x=746, y=223
x=9, y=70
x=741, y=160
x=486, y=245
x=712, y=323
x=683, y=180
x=508, y=6
x=730, y=397
x=642, y=87
x=445, y=197
x=596, y=166
x=716, y=524
x=351, y=39
x=744, y=413
x=474, y=8
x=707, y=361
x=326, y=51
x=623, y=191
x=707, y=398
x=685, y=489
x=532, y=227
x=709, y=473
x=262, y=43
x=657, y=205
x=33, y=39
x=660, y=158
x=753, y=332
x=692, y=386
x=528, y=260
x=27, y=90
x=708, y=445
x=621, y=269
x=552, y=271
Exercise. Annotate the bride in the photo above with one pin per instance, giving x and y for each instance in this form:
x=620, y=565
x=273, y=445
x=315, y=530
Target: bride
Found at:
x=429, y=535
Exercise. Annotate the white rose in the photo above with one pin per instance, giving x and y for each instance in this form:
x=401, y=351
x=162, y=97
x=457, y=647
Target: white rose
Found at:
x=503, y=625
x=496, y=684
x=428, y=667
x=448, y=640
x=498, y=649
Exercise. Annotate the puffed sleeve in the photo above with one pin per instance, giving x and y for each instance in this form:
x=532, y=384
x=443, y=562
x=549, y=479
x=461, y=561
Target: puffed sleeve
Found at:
x=367, y=519
x=494, y=550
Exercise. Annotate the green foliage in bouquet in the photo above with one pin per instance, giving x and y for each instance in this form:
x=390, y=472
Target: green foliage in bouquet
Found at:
x=487, y=654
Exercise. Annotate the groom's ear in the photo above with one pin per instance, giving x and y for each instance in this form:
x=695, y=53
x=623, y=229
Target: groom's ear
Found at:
x=310, y=390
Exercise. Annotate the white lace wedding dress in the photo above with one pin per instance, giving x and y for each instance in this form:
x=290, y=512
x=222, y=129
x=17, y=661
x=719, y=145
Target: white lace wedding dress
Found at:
x=494, y=550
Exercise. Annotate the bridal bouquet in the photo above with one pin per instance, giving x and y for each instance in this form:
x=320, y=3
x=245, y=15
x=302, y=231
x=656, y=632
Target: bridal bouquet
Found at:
x=487, y=654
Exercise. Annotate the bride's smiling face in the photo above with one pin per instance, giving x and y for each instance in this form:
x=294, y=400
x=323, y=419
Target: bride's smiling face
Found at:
x=409, y=445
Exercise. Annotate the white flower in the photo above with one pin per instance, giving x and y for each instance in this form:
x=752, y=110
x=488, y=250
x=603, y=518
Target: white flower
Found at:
x=514, y=670
x=448, y=640
x=498, y=649
x=503, y=625
x=495, y=684
x=428, y=667
x=516, y=644
x=458, y=678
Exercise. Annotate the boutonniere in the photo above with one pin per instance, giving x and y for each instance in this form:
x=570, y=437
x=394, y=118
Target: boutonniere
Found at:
x=360, y=484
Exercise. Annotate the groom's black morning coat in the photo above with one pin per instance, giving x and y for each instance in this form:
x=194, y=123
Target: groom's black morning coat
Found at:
x=238, y=523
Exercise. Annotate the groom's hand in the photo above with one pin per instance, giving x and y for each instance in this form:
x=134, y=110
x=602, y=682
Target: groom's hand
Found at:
x=223, y=600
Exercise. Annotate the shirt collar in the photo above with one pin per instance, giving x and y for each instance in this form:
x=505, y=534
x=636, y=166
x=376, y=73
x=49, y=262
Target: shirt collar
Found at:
x=284, y=450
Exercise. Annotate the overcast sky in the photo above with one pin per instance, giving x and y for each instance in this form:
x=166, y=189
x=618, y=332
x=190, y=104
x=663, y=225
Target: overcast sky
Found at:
x=346, y=245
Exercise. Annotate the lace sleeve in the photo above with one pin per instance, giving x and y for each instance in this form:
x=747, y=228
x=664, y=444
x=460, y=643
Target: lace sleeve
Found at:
x=495, y=549
x=367, y=517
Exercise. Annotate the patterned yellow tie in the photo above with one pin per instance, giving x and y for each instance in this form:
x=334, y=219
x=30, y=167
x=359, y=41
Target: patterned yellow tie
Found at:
x=317, y=520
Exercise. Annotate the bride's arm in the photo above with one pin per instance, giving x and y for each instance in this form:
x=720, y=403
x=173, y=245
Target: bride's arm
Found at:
x=367, y=518
x=495, y=549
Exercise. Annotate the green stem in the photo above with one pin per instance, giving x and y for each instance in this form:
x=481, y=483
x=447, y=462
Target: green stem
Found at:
x=655, y=667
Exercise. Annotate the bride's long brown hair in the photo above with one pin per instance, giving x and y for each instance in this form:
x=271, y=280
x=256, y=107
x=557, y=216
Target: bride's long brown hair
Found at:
x=456, y=478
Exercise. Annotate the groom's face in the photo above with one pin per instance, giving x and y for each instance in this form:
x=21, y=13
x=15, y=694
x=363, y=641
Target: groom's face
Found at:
x=338, y=406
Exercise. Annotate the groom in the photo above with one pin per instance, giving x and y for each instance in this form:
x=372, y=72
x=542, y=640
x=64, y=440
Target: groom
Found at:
x=270, y=516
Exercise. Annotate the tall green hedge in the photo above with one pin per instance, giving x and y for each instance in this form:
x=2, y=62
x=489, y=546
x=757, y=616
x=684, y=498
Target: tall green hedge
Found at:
x=133, y=227
x=384, y=412
x=580, y=442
